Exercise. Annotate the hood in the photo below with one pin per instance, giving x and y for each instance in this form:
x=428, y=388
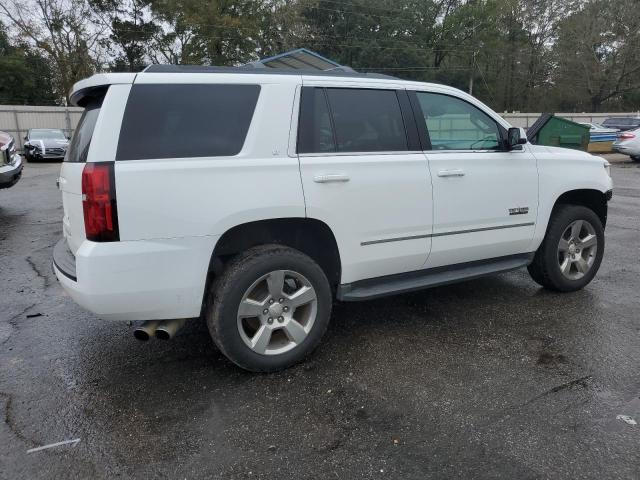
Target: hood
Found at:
x=50, y=143
x=567, y=153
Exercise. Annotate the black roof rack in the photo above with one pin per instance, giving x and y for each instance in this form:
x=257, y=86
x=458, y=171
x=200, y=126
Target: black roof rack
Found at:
x=156, y=68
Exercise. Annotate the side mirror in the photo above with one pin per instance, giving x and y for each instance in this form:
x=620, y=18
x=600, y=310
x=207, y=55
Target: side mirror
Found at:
x=27, y=146
x=516, y=136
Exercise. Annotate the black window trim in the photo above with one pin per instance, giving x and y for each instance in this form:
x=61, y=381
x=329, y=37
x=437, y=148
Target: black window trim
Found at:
x=422, y=125
x=408, y=119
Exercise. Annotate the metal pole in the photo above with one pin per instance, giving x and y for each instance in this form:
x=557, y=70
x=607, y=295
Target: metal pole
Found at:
x=67, y=121
x=17, y=122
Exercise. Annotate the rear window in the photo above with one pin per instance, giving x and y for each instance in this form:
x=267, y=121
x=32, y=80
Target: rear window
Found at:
x=183, y=121
x=79, y=146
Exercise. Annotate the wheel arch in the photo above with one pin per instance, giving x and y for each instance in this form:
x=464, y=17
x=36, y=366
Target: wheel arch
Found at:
x=587, y=197
x=310, y=236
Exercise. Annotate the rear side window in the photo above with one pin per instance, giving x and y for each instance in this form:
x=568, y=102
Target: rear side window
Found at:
x=367, y=120
x=79, y=146
x=350, y=120
x=182, y=121
x=315, y=133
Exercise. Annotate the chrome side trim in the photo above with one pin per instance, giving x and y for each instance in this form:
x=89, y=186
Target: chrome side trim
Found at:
x=443, y=234
x=397, y=239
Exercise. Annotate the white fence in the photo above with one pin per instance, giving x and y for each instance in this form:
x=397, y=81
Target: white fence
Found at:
x=17, y=119
x=525, y=120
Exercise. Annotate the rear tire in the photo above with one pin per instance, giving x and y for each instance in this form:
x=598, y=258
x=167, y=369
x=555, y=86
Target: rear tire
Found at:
x=572, y=249
x=269, y=309
x=635, y=159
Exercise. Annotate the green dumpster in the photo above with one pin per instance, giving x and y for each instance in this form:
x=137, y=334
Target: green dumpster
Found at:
x=559, y=132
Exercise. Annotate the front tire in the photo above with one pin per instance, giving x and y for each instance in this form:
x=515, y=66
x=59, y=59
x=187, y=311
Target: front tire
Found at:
x=635, y=159
x=572, y=249
x=269, y=309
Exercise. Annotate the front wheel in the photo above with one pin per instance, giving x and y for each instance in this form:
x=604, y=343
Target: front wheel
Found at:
x=635, y=158
x=571, y=252
x=269, y=309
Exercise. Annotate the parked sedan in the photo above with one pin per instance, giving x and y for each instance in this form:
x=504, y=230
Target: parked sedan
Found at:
x=628, y=143
x=10, y=161
x=45, y=144
x=622, y=123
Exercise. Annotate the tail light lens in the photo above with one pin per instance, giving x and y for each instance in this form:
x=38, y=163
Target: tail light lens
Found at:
x=99, y=202
x=626, y=136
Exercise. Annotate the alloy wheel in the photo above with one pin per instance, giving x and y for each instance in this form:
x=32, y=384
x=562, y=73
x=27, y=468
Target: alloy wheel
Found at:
x=577, y=249
x=277, y=312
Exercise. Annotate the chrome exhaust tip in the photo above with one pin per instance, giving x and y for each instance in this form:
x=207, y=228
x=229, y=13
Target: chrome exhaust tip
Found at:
x=146, y=330
x=168, y=328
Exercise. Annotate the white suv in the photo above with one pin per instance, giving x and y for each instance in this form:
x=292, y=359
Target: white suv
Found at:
x=253, y=198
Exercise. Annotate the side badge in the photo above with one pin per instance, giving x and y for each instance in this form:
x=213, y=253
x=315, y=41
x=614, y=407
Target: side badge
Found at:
x=519, y=211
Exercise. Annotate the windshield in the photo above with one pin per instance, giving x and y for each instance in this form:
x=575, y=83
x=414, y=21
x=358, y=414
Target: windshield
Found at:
x=46, y=134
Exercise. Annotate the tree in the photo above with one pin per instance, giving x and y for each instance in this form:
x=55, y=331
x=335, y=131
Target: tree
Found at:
x=61, y=31
x=131, y=34
x=218, y=32
x=25, y=76
x=597, y=56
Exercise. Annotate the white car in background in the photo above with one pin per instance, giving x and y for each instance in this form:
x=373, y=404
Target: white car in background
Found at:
x=254, y=198
x=628, y=143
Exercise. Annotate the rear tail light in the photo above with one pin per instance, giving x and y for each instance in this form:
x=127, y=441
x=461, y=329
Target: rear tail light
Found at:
x=99, y=202
x=626, y=136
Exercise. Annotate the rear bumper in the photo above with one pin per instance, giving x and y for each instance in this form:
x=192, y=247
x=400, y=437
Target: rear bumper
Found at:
x=626, y=149
x=136, y=280
x=10, y=174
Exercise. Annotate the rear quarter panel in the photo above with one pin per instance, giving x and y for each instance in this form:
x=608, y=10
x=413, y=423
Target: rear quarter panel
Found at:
x=167, y=198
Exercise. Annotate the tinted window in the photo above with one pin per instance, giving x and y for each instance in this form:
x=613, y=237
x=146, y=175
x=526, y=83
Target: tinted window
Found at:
x=178, y=121
x=454, y=124
x=367, y=120
x=315, y=133
x=79, y=146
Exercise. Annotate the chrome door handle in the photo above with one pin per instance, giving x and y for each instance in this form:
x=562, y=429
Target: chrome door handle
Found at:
x=456, y=172
x=331, y=177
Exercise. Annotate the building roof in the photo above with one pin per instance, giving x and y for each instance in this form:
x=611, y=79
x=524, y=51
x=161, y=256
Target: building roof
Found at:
x=299, y=59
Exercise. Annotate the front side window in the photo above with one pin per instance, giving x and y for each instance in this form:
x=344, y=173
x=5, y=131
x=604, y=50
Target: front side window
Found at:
x=454, y=124
x=183, y=120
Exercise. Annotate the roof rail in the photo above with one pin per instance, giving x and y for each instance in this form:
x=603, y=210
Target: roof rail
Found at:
x=248, y=69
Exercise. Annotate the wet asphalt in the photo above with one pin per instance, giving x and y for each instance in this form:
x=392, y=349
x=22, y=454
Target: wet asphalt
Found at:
x=493, y=378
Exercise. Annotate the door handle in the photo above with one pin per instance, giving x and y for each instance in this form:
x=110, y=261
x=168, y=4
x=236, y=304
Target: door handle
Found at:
x=456, y=172
x=331, y=177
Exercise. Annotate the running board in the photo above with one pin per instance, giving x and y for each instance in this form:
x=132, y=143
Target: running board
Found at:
x=433, y=277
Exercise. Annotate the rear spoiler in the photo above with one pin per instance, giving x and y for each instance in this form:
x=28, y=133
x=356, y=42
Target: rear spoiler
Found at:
x=96, y=86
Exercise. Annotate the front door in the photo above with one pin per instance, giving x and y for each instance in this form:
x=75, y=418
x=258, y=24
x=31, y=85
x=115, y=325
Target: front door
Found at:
x=485, y=198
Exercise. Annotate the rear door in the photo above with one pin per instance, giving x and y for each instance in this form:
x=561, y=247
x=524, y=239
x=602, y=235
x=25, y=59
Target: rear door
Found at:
x=95, y=140
x=70, y=180
x=364, y=175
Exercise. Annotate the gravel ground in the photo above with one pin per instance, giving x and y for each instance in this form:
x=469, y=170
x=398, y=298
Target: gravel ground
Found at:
x=493, y=378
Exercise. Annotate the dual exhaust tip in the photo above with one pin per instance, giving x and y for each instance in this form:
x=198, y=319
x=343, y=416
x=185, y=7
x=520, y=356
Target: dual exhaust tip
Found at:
x=161, y=329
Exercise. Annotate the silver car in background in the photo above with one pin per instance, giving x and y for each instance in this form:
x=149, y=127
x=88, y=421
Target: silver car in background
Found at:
x=628, y=143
